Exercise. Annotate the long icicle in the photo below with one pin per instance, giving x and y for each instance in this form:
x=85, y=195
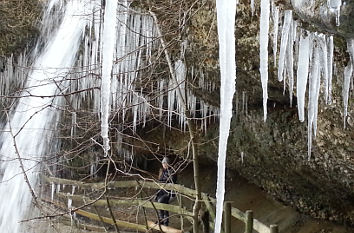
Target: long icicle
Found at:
x=109, y=38
x=263, y=44
x=348, y=75
x=302, y=74
x=226, y=14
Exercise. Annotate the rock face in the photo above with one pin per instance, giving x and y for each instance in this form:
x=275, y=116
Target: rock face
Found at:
x=325, y=16
x=271, y=154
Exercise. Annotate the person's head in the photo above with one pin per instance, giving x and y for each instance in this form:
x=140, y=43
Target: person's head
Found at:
x=165, y=162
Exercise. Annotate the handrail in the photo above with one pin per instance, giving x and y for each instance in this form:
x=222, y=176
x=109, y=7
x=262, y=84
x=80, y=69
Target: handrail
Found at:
x=236, y=213
x=139, y=202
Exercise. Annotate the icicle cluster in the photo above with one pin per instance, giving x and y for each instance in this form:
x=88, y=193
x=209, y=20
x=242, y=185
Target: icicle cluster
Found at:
x=131, y=99
x=12, y=75
x=314, y=67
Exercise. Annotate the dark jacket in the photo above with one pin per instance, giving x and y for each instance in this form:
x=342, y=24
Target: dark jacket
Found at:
x=167, y=176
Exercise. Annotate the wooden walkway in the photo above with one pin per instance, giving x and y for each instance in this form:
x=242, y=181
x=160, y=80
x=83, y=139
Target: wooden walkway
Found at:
x=209, y=203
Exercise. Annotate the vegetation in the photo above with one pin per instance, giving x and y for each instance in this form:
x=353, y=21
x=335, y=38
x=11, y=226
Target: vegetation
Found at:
x=18, y=25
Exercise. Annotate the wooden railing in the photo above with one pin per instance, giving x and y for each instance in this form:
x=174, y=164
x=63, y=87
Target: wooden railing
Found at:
x=246, y=217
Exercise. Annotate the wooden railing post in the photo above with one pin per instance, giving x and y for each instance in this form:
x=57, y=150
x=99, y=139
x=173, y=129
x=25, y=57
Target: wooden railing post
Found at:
x=274, y=229
x=227, y=216
x=249, y=221
x=179, y=196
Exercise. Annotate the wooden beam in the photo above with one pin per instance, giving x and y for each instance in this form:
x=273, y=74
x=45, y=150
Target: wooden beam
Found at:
x=137, y=202
x=122, y=184
x=123, y=224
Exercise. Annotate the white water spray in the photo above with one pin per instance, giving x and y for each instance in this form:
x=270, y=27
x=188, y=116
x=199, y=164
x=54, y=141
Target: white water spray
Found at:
x=30, y=126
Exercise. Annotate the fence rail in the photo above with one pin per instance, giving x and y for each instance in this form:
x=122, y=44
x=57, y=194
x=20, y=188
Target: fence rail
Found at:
x=246, y=217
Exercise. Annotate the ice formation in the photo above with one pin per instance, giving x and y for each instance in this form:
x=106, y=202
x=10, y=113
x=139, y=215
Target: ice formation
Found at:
x=275, y=18
x=263, y=43
x=108, y=45
x=314, y=88
x=283, y=44
x=302, y=73
x=226, y=14
x=335, y=5
x=348, y=75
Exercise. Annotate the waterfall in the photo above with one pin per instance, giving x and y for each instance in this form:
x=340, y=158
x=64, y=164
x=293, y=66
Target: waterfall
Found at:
x=67, y=62
x=30, y=125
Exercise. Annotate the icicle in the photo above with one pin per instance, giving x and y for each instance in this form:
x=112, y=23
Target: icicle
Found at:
x=243, y=101
x=314, y=82
x=252, y=7
x=284, y=40
x=330, y=68
x=160, y=98
x=302, y=74
x=275, y=16
x=53, y=190
x=108, y=38
x=324, y=64
x=263, y=43
x=290, y=60
x=348, y=75
x=335, y=6
x=226, y=14
x=73, y=124
x=70, y=201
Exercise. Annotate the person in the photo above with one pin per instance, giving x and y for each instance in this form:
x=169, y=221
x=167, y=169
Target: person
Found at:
x=167, y=175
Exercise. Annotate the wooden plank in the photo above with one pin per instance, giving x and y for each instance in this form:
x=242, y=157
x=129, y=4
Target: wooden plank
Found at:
x=167, y=229
x=137, y=202
x=260, y=227
x=122, y=184
x=124, y=224
x=238, y=214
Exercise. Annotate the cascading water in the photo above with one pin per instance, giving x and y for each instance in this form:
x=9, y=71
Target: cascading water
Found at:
x=69, y=64
x=29, y=127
